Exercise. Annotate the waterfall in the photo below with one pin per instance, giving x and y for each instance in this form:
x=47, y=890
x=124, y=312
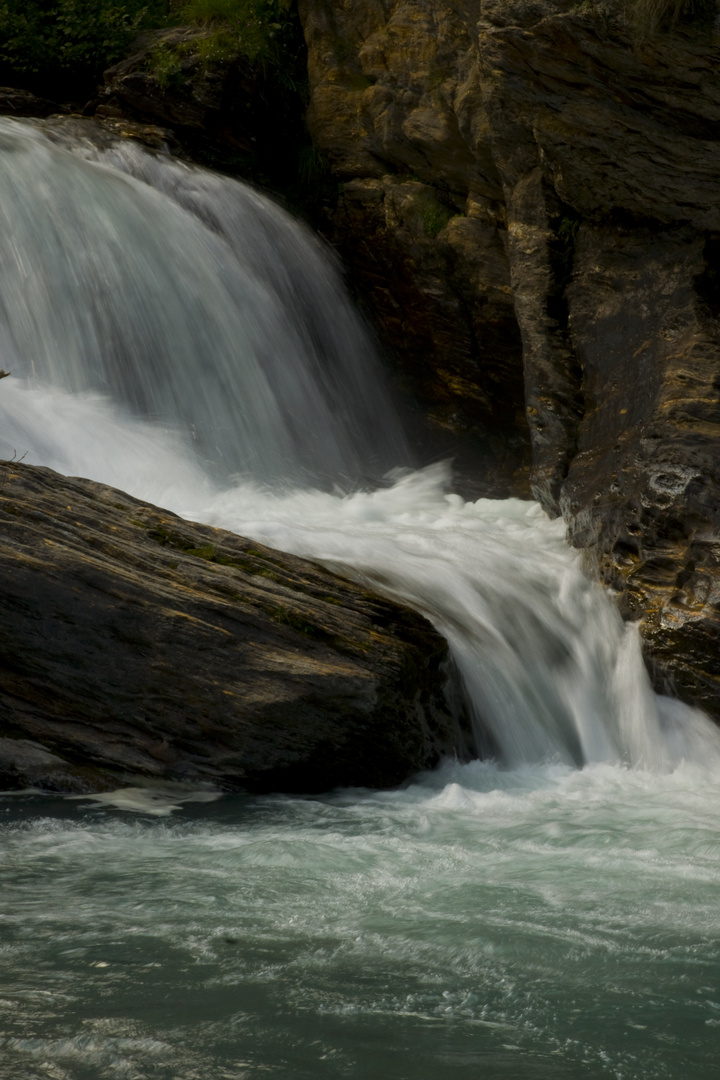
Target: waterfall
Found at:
x=178, y=335
x=191, y=299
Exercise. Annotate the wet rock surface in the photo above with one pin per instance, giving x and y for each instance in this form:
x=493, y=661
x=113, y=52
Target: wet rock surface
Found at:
x=397, y=108
x=136, y=644
x=580, y=160
x=527, y=202
x=22, y=103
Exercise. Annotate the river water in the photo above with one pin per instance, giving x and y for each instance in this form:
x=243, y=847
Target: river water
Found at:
x=542, y=922
x=551, y=912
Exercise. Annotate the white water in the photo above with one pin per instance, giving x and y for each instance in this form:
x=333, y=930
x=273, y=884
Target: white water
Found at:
x=550, y=671
x=537, y=923
x=215, y=328
x=190, y=298
x=516, y=919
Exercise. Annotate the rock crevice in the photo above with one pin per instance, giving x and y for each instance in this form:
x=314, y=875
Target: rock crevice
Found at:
x=582, y=160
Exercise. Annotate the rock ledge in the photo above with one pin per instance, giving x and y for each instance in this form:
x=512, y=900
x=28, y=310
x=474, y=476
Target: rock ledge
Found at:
x=136, y=644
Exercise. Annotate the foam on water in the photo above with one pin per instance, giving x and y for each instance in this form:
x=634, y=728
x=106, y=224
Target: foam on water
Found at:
x=549, y=669
x=545, y=922
x=537, y=920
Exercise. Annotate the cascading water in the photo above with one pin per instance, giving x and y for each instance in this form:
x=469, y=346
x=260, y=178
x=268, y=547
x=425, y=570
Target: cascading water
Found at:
x=192, y=300
x=177, y=335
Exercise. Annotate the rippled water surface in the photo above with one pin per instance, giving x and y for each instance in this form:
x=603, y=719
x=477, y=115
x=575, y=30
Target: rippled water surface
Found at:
x=480, y=923
x=178, y=336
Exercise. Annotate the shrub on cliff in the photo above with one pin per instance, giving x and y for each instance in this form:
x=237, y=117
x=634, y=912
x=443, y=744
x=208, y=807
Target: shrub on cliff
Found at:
x=260, y=31
x=61, y=47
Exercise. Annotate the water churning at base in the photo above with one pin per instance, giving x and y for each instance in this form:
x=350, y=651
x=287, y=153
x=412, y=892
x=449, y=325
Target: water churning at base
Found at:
x=177, y=335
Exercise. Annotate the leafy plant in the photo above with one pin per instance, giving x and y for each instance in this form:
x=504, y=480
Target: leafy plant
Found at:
x=567, y=230
x=258, y=30
x=165, y=64
x=80, y=35
x=312, y=166
x=562, y=251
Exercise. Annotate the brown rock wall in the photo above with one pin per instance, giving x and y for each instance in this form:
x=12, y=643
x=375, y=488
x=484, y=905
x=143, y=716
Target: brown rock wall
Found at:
x=397, y=109
x=591, y=156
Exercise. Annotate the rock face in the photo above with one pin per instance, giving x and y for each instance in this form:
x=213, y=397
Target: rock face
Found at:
x=15, y=102
x=133, y=643
x=577, y=165
x=397, y=109
x=225, y=112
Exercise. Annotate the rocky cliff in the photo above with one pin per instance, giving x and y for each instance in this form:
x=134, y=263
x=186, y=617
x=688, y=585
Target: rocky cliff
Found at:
x=531, y=197
x=133, y=643
x=528, y=198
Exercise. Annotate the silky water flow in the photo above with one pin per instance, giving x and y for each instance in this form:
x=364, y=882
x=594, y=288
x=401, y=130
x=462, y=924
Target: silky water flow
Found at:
x=550, y=913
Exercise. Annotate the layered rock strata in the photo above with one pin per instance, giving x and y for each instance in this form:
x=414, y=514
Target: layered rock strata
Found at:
x=573, y=272
x=134, y=643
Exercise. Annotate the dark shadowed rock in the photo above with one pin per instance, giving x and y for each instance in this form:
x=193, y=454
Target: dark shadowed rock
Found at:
x=581, y=162
x=225, y=111
x=609, y=151
x=22, y=103
x=133, y=643
x=397, y=109
x=192, y=96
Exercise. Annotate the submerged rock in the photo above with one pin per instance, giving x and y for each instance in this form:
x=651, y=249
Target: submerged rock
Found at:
x=134, y=643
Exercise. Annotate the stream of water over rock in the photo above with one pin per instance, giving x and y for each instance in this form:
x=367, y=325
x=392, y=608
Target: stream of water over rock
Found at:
x=549, y=913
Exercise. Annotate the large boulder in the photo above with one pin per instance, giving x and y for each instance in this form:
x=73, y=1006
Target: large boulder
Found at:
x=134, y=643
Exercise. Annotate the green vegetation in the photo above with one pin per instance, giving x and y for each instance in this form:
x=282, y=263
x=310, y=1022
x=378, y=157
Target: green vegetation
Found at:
x=296, y=621
x=75, y=40
x=567, y=230
x=258, y=30
x=206, y=552
x=313, y=168
x=165, y=64
x=263, y=33
x=82, y=37
x=163, y=536
x=562, y=250
x=435, y=216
